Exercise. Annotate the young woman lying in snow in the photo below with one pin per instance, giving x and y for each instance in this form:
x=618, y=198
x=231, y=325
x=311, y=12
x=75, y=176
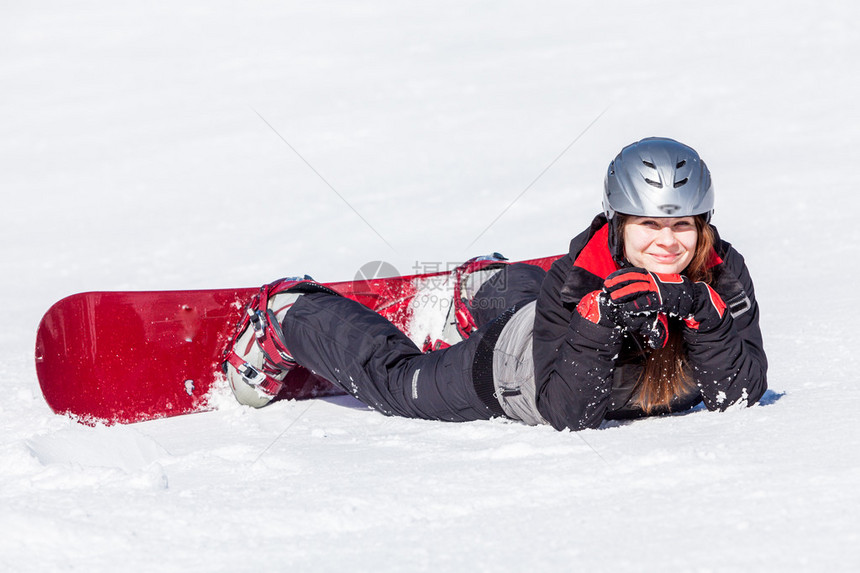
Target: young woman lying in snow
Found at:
x=650, y=312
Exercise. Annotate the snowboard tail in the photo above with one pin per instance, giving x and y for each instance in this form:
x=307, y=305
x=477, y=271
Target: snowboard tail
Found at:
x=124, y=357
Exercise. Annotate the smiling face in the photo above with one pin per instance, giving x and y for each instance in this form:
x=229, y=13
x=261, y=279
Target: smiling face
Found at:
x=660, y=244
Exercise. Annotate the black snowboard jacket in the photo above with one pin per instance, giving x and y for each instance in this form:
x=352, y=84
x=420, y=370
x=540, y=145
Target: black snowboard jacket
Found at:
x=585, y=373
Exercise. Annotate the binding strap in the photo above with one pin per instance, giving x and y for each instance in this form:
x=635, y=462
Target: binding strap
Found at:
x=466, y=324
x=268, y=335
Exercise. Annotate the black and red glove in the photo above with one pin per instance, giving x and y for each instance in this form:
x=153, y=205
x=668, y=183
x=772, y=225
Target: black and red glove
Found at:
x=652, y=326
x=636, y=291
x=708, y=309
x=597, y=308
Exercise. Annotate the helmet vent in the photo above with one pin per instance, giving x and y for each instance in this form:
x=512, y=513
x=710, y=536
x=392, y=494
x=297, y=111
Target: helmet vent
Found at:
x=681, y=182
x=651, y=182
x=681, y=163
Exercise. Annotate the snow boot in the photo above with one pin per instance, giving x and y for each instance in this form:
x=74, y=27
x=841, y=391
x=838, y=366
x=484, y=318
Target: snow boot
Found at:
x=257, y=360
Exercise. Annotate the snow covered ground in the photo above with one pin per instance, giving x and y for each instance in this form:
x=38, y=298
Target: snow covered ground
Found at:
x=135, y=154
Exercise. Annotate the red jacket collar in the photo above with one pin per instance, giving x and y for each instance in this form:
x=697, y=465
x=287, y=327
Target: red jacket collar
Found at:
x=595, y=256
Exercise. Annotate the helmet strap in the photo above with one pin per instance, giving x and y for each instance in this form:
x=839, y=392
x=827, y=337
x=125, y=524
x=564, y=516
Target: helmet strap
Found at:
x=616, y=243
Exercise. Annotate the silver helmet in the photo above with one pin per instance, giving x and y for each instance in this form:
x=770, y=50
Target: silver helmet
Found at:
x=658, y=177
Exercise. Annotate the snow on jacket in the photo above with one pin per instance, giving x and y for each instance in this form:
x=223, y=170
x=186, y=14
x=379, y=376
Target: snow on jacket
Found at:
x=581, y=378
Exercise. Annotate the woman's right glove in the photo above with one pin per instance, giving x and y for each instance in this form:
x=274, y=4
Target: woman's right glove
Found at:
x=597, y=307
x=636, y=291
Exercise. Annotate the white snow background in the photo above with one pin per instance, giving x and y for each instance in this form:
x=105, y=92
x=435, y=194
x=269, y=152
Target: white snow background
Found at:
x=135, y=154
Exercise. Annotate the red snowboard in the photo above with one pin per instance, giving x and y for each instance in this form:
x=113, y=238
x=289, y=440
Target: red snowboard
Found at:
x=123, y=357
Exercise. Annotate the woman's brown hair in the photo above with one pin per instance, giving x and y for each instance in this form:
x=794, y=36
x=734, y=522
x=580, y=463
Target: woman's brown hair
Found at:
x=665, y=372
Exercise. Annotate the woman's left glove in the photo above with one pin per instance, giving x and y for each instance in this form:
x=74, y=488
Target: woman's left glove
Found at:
x=636, y=291
x=652, y=326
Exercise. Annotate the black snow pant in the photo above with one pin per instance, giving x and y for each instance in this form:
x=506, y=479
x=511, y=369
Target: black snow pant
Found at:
x=371, y=359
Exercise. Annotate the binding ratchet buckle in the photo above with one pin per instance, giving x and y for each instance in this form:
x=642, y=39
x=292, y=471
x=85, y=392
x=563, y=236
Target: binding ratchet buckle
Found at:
x=258, y=322
x=250, y=374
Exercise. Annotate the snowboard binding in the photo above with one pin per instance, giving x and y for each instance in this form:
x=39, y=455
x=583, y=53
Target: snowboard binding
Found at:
x=467, y=279
x=257, y=360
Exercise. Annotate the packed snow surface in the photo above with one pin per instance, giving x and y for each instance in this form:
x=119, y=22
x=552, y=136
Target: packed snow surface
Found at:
x=178, y=145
